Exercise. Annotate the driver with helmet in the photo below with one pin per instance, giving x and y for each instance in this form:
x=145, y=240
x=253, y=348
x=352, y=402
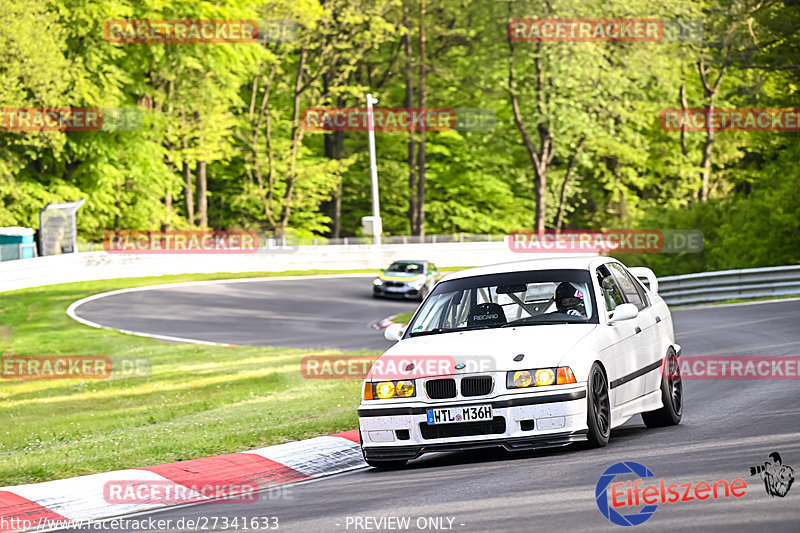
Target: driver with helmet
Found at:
x=569, y=300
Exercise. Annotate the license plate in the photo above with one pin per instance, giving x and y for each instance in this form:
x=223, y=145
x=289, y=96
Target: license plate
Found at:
x=395, y=289
x=454, y=415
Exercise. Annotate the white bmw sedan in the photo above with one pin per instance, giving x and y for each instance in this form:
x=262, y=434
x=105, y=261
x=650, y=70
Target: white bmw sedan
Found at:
x=523, y=355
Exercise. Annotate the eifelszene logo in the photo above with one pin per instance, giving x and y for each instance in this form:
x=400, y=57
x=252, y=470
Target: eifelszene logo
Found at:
x=631, y=494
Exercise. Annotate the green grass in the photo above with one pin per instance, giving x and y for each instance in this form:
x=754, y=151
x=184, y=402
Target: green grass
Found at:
x=746, y=300
x=198, y=400
x=403, y=318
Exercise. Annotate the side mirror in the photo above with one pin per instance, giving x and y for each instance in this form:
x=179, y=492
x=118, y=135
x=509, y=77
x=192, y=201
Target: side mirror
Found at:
x=623, y=312
x=394, y=332
x=383, y=270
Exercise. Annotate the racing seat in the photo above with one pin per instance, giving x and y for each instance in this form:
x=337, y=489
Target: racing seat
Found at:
x=488, y=314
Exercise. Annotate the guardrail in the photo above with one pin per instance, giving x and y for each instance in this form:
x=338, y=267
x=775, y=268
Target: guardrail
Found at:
x=710, y=287
x=691, y=289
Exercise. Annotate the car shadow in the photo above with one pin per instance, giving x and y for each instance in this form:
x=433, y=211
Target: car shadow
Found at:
x=620, y=435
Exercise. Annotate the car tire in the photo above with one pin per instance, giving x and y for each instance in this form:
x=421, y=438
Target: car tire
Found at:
x=598, y=416
x=386, y=465
x=671, y=396
x=423, y=293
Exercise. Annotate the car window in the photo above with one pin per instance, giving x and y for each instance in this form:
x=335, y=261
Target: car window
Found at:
x=405, y=267
x=526, y=298
x=628, y=286
x=639, y=289
x=612, y=294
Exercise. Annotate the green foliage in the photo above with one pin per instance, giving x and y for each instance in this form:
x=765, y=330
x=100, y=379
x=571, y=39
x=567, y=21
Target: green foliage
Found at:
x=237, y=108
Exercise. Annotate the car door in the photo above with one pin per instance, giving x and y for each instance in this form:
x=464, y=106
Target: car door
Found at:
x=624, y=344
x=650, y=334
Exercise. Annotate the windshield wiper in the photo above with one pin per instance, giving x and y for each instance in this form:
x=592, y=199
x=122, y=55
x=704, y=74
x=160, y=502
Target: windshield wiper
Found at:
x=426, y=332
x=537, y=323
x=447, y=330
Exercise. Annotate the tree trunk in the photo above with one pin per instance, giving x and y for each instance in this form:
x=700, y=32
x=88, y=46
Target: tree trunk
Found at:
x=202, y=200
x=423, y=81
x=256, y=120
x=296, y=137
x=711, y=92
x=570, y=166
x=539, y=159
x=188, y=189
x=705, y=164
x=412, y=152
x=334, y=148
x=167, y=225
x=337, y=211
x=685, y=127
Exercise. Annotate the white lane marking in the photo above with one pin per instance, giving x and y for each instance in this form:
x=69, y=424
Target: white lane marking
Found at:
x=72, y=309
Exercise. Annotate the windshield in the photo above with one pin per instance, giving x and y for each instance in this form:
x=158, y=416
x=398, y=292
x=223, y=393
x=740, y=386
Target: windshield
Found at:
x=405, y=267
x=507, y=300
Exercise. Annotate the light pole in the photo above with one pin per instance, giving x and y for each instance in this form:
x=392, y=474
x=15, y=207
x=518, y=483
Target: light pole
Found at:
x=373, y=169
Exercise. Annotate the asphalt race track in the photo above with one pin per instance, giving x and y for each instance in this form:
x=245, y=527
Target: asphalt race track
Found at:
x=727, y=426
x=322, y=312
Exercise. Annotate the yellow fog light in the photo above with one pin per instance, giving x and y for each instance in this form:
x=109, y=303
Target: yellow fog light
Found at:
x=405, y=388
x=545, y=376
x=522, y=378
x=385, y=390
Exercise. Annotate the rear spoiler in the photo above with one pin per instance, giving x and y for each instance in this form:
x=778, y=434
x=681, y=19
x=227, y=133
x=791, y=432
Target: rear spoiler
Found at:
x=646, y=273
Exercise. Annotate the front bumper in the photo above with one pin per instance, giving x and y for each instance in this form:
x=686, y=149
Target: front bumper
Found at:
x=529, y=421
x=404, y=291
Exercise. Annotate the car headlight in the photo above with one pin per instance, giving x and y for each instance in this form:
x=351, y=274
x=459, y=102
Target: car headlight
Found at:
x=418, y=283
x=540, y=377
x=521, y=378
x=377, y=282
x=384, y=390
x=544, y=377
x=404, y=389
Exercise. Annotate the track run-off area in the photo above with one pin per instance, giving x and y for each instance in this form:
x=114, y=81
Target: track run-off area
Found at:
x=728, y=425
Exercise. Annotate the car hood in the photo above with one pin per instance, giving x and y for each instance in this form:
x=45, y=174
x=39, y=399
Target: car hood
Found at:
x=485, y=350
x=398, y=276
